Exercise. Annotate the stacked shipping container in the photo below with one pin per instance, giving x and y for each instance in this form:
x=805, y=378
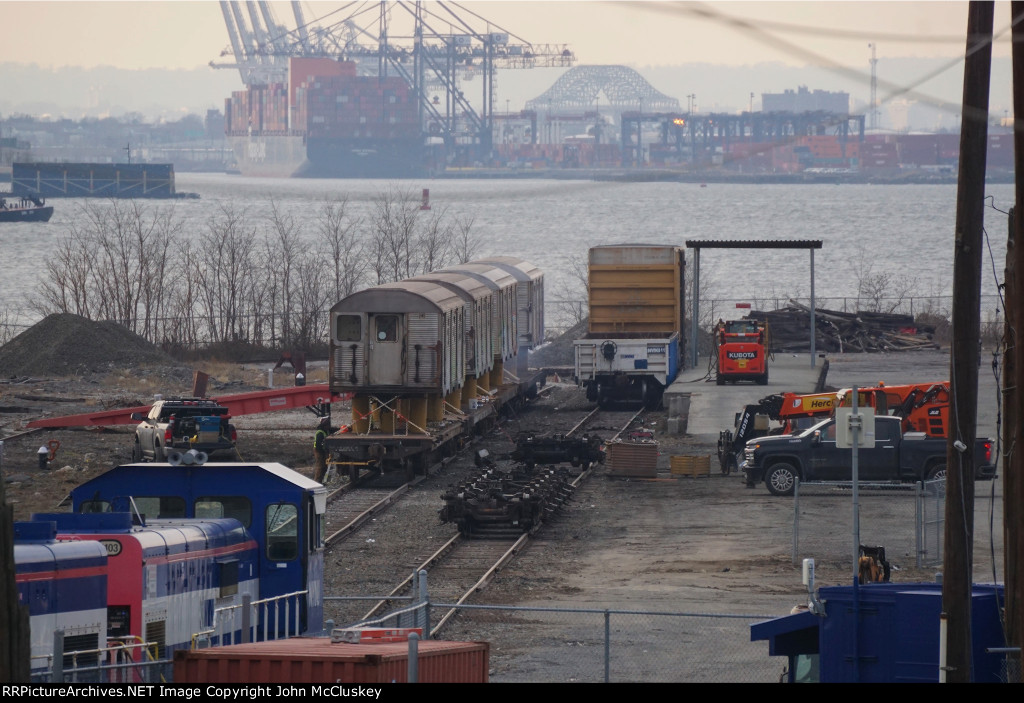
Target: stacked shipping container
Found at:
x=327, y=121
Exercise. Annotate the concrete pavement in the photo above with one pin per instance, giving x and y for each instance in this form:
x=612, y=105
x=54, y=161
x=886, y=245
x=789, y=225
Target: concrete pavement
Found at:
x=712, y=408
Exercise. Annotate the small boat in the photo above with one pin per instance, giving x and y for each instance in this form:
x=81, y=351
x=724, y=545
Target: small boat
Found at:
x=25, y=209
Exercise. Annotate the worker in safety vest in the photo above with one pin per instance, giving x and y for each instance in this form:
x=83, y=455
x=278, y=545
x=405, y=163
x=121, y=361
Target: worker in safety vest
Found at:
x=319, y=450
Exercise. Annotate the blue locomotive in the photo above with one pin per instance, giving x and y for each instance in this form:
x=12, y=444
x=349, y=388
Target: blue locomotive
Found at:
x=184, y=548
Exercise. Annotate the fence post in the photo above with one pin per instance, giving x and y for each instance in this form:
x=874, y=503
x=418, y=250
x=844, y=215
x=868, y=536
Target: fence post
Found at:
x=57, y=665
x=919, y=522
x=246, y=617
x=607, y=645
x=423, y=614
x=796, y=520
x=414, y=658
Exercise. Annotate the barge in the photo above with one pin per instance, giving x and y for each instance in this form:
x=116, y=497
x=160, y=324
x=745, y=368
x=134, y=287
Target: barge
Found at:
x=92, y=180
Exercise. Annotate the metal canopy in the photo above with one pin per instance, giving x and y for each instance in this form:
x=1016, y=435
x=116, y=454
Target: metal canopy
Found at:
x=753, y=244
x=698, y=244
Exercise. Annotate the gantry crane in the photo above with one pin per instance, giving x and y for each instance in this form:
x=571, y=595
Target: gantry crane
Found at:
x=446, y=43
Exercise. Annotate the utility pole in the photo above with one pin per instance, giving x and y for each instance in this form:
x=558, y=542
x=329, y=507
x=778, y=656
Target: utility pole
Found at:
x=1013, y=372
x=14, y=632
x=958, y=557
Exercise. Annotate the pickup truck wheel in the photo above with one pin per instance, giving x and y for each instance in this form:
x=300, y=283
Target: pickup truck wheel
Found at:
x=936, y=473
x=780, y=479
x=136, y=452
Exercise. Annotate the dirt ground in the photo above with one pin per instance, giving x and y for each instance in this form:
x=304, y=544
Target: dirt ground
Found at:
x=704, y=544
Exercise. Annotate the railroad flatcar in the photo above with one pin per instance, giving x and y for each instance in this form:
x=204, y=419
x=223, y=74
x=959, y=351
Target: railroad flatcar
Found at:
x=425, y=359
x=64, y=586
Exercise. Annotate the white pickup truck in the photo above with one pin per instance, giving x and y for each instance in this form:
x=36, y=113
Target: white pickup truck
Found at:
x=173, y=426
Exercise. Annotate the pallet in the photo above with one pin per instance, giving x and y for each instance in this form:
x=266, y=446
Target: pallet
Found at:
x=690, y=465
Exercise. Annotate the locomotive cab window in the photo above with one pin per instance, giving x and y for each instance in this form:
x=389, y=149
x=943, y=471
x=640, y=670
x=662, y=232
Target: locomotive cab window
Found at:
x=282, y=532
x=161, y=506
x=237, y=507
x=387, y=328
x=348, y=328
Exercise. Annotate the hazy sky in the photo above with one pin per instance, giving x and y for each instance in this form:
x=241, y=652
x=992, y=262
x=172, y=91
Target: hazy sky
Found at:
x=138, y=34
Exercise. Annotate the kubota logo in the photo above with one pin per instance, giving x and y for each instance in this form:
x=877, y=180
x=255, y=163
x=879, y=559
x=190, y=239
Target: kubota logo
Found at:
x=741, y=355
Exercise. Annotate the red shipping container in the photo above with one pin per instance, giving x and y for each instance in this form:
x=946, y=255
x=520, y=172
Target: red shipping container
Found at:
x=303, y=660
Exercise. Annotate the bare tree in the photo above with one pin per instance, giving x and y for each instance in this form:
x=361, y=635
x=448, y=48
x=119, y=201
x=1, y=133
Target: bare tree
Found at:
x=571, y=294
x=311, y=302
x=68, y=285
x=391, y=234
x=113, y=264
x=346, y=252
x=283, y=252
x=880, y=292
x=432, y=245
x=465, y=243
x=183, y=303
x=223, y=270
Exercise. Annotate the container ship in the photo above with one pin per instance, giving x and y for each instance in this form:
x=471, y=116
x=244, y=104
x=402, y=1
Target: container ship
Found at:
x=327, y=122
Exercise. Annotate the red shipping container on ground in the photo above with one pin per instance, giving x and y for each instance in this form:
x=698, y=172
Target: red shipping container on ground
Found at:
x=307, y=660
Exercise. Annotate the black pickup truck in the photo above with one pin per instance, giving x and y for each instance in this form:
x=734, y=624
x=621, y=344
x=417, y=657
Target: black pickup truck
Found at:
x=812, y=455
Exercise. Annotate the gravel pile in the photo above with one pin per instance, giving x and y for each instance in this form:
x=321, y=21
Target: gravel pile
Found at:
x=71, y=345
x=558, y=351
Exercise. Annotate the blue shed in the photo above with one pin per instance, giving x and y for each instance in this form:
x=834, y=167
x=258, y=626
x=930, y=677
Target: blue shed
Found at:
x=895, y=639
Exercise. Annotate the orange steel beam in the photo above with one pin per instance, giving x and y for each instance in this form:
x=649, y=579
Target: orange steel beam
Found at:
x=237, y=404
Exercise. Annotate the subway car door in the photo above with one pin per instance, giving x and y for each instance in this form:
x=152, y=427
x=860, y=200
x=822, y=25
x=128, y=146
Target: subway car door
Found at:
x=386, y=342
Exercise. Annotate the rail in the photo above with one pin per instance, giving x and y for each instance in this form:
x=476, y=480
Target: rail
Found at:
x=487, y=577
x=407, y=583
x=362, y=516
x=507, y=555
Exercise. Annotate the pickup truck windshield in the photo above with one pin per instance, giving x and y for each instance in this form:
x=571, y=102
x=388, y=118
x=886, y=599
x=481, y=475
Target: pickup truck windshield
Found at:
x=817, y=426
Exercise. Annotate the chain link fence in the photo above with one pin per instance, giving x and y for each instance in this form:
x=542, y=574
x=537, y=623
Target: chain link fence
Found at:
x=908, y=520
x=578, y=645
x=564, y=313
x=890, y=517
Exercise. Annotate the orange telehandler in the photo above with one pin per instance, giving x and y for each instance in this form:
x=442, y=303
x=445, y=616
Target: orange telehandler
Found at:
x=923, y=408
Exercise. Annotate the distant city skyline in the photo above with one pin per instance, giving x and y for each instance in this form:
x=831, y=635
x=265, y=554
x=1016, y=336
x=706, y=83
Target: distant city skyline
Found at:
x=821, y=45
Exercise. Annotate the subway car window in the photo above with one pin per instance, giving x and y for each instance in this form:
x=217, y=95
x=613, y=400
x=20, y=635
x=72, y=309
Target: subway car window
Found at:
x=349, y=328
x=387, y=328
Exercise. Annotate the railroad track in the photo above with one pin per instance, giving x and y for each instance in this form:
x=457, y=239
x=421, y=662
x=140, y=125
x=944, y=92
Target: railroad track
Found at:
x=351, y=506
x=348, y=508
x=462, y=567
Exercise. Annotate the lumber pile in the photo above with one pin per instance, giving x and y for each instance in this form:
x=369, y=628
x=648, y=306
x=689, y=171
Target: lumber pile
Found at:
x=839, y=332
